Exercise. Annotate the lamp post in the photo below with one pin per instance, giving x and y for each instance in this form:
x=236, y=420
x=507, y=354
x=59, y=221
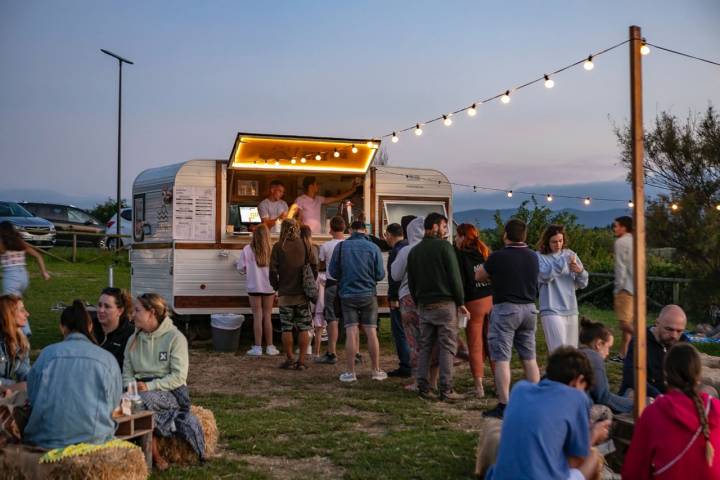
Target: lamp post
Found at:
x=120, y=60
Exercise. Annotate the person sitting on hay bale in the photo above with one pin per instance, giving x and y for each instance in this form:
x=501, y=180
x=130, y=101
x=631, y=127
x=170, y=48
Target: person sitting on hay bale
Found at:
x=73, y=387
x=156, y=357
x=14, y=345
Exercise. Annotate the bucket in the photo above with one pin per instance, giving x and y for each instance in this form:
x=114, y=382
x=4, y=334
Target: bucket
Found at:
x=226, y=331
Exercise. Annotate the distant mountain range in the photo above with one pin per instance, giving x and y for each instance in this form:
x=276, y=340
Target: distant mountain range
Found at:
x=484, y=218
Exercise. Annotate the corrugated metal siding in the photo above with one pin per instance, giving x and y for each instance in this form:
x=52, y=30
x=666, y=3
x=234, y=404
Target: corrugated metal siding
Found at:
x=151, y=272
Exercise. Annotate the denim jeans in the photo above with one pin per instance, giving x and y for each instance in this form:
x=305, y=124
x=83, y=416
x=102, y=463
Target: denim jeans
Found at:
x=438, y=325
x=401, y=343
x=15, y=282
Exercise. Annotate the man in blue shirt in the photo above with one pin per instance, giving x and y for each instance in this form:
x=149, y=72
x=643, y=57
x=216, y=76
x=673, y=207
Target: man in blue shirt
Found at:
x=357, y=265
x=546, y=432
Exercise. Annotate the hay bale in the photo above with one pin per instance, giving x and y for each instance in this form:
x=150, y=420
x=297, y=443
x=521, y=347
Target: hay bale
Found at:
x=488, y=444
x=709, y=361
x=19, y=462
x=176, y=450
x=711, y=377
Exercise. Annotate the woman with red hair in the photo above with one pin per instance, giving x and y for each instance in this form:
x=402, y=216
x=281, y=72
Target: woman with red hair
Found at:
x=471, y=253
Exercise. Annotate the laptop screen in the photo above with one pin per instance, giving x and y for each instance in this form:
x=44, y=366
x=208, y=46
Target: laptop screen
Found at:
x=249, y=215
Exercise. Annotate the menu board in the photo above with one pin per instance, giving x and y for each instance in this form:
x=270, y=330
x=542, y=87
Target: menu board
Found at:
x=194, y=213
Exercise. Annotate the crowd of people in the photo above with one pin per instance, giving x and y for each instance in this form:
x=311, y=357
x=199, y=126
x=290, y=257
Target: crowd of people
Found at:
x=435, y=288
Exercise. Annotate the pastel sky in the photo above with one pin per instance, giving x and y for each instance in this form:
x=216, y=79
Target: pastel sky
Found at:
x=206, y=70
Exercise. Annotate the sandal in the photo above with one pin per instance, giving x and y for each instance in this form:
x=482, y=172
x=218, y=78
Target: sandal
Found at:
x=300, y=366
x=287, y=365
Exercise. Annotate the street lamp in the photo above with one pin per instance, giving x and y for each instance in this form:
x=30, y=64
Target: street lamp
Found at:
x=120, y=60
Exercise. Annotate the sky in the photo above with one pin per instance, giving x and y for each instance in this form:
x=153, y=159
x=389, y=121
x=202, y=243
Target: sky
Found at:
x=206, y=70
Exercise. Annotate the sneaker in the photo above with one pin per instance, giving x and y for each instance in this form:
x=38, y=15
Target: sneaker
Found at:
x=328, y=358
x=358, y=359
x=324, y=335
x=379, y=375
x=400, y=373
x=255, y=351
x=497, y=412
x=450, y=396
x=271, y=350
x=616, y=358
x=426, y=394
x=348, y=377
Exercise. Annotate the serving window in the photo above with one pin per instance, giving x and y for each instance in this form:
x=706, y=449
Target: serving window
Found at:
x=393, y=210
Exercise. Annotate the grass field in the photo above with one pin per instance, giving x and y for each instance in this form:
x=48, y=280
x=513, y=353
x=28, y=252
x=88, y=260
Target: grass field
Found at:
x=276, y=424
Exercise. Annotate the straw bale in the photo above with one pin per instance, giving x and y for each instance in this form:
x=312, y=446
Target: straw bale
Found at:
x=175, y=450
x=488, y=444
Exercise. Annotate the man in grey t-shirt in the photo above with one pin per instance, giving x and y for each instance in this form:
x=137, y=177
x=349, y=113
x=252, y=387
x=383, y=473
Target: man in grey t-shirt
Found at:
x=273, y=208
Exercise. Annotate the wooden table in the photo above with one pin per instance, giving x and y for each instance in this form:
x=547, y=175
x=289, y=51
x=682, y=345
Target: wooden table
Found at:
x=139, y=427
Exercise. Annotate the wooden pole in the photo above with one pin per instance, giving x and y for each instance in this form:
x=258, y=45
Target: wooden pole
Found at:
x=74, y=247
x=638, y=184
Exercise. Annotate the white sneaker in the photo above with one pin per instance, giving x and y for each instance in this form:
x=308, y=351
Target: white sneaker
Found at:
x=255, y=351
x=309, y=350
x=348, y=377
x=379, y=375
x=271, y=350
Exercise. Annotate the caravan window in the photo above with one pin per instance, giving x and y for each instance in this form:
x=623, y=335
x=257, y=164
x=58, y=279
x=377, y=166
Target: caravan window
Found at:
x=396, y=209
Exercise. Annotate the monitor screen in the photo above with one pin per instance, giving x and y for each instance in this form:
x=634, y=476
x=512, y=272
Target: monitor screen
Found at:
x=249, y=215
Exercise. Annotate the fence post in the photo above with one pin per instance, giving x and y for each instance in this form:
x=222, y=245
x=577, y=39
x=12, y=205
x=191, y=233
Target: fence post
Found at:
x=111, y=276
x=74, y=247
x=676, y=293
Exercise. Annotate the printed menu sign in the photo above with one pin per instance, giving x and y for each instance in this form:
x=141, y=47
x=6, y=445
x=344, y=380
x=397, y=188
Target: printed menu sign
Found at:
x=194, y=213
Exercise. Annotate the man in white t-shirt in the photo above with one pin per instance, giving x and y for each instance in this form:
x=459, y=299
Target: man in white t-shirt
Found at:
x=274, y=208
x=337, y=230
x=309, y=204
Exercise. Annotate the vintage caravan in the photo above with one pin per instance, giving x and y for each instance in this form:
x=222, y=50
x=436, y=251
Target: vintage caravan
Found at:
x=191, y=219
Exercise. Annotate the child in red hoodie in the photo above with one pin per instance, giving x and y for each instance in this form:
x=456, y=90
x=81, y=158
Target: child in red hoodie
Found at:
x=678, y=436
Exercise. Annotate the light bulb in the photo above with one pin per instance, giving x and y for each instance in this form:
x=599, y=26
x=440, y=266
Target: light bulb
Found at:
x=549, y=198
x=506, y=97
x=303, y=160
x=277, y=163
x=549, y=82
x=447, y=120
x=318, y=157
x=472, y=111
x=418, y=130
x=509, y=194
x=354, y=149
x=293, y=161
x=631, y=204
x=644, y=49
x=674, y=206
x=588, y=65
x=717, y=207
x=586, y=201
x=395, y=138
x=369, y=143
x=336, y=154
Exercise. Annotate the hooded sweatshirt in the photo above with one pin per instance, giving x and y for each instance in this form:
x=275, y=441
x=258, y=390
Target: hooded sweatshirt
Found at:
x=470, y=260
x=398, y=269
x=161, y=355
x=558, y=284
x=663, y=431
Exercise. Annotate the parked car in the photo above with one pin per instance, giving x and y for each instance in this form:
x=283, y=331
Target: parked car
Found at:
x=70, y=220
x=126, y=228
x=34, y=230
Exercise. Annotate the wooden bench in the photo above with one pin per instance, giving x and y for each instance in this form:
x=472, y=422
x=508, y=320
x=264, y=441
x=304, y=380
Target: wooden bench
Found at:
x=138, y=427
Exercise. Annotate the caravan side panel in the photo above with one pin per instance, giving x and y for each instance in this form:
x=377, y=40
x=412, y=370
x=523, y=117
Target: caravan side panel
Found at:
x=151, y=271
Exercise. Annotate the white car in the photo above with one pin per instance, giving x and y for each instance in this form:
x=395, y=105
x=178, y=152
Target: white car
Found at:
x=126, y=228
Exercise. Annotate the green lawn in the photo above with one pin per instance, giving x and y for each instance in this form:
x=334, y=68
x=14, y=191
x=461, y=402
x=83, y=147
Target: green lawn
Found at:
x=303, y=425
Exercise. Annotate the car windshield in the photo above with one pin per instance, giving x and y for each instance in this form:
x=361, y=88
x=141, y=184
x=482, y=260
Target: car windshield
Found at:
x=9, y=209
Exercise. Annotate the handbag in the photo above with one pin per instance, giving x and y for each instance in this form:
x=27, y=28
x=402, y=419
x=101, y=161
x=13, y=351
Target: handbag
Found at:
x=308, y=278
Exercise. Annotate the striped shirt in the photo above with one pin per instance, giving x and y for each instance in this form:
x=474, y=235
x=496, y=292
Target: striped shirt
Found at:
x=12, y=258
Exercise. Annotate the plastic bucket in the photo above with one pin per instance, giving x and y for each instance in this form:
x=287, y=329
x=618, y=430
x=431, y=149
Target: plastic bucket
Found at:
x=226, y=331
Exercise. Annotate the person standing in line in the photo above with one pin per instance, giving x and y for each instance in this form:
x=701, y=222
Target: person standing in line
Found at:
x=12, y=259
x=330, y=307
x=436, y=287
x=561, y=273
x=514, y=272
x=274, y=208
x=254, y=262
x=394, y=236
x=471, y=253
x=287, y=260
x=678, y=436
x=358, y=266
x=624, y=282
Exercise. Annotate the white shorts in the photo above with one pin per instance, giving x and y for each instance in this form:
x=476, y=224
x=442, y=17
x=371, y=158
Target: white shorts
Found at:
x=576, y=474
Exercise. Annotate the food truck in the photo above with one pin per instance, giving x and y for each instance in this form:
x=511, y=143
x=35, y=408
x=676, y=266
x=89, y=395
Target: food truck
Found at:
x=191, y=219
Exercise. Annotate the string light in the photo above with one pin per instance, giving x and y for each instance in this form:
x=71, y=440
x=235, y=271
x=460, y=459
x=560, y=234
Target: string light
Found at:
x=303, y=160
x=631, y=204
x=589, y=65
x=674, y=207
x=418, y=130
x=293, y=161
x=277, y=163
x=395, y=138
x=509, y=194
x=354, y=149
x=644, y=49
x=586, y=201
x=506, y=97
x=717, y=207
x=369, y=143
x=549, y=198
x=472, y=111
x=336, y=154
x=318, y=157
x=549, y=82
x=447, y=120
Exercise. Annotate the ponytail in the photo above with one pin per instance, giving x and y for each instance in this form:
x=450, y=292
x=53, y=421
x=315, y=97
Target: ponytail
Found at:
x=76, y=319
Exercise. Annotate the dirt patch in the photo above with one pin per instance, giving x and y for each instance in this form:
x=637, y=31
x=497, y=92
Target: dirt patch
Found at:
x=289, y=468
